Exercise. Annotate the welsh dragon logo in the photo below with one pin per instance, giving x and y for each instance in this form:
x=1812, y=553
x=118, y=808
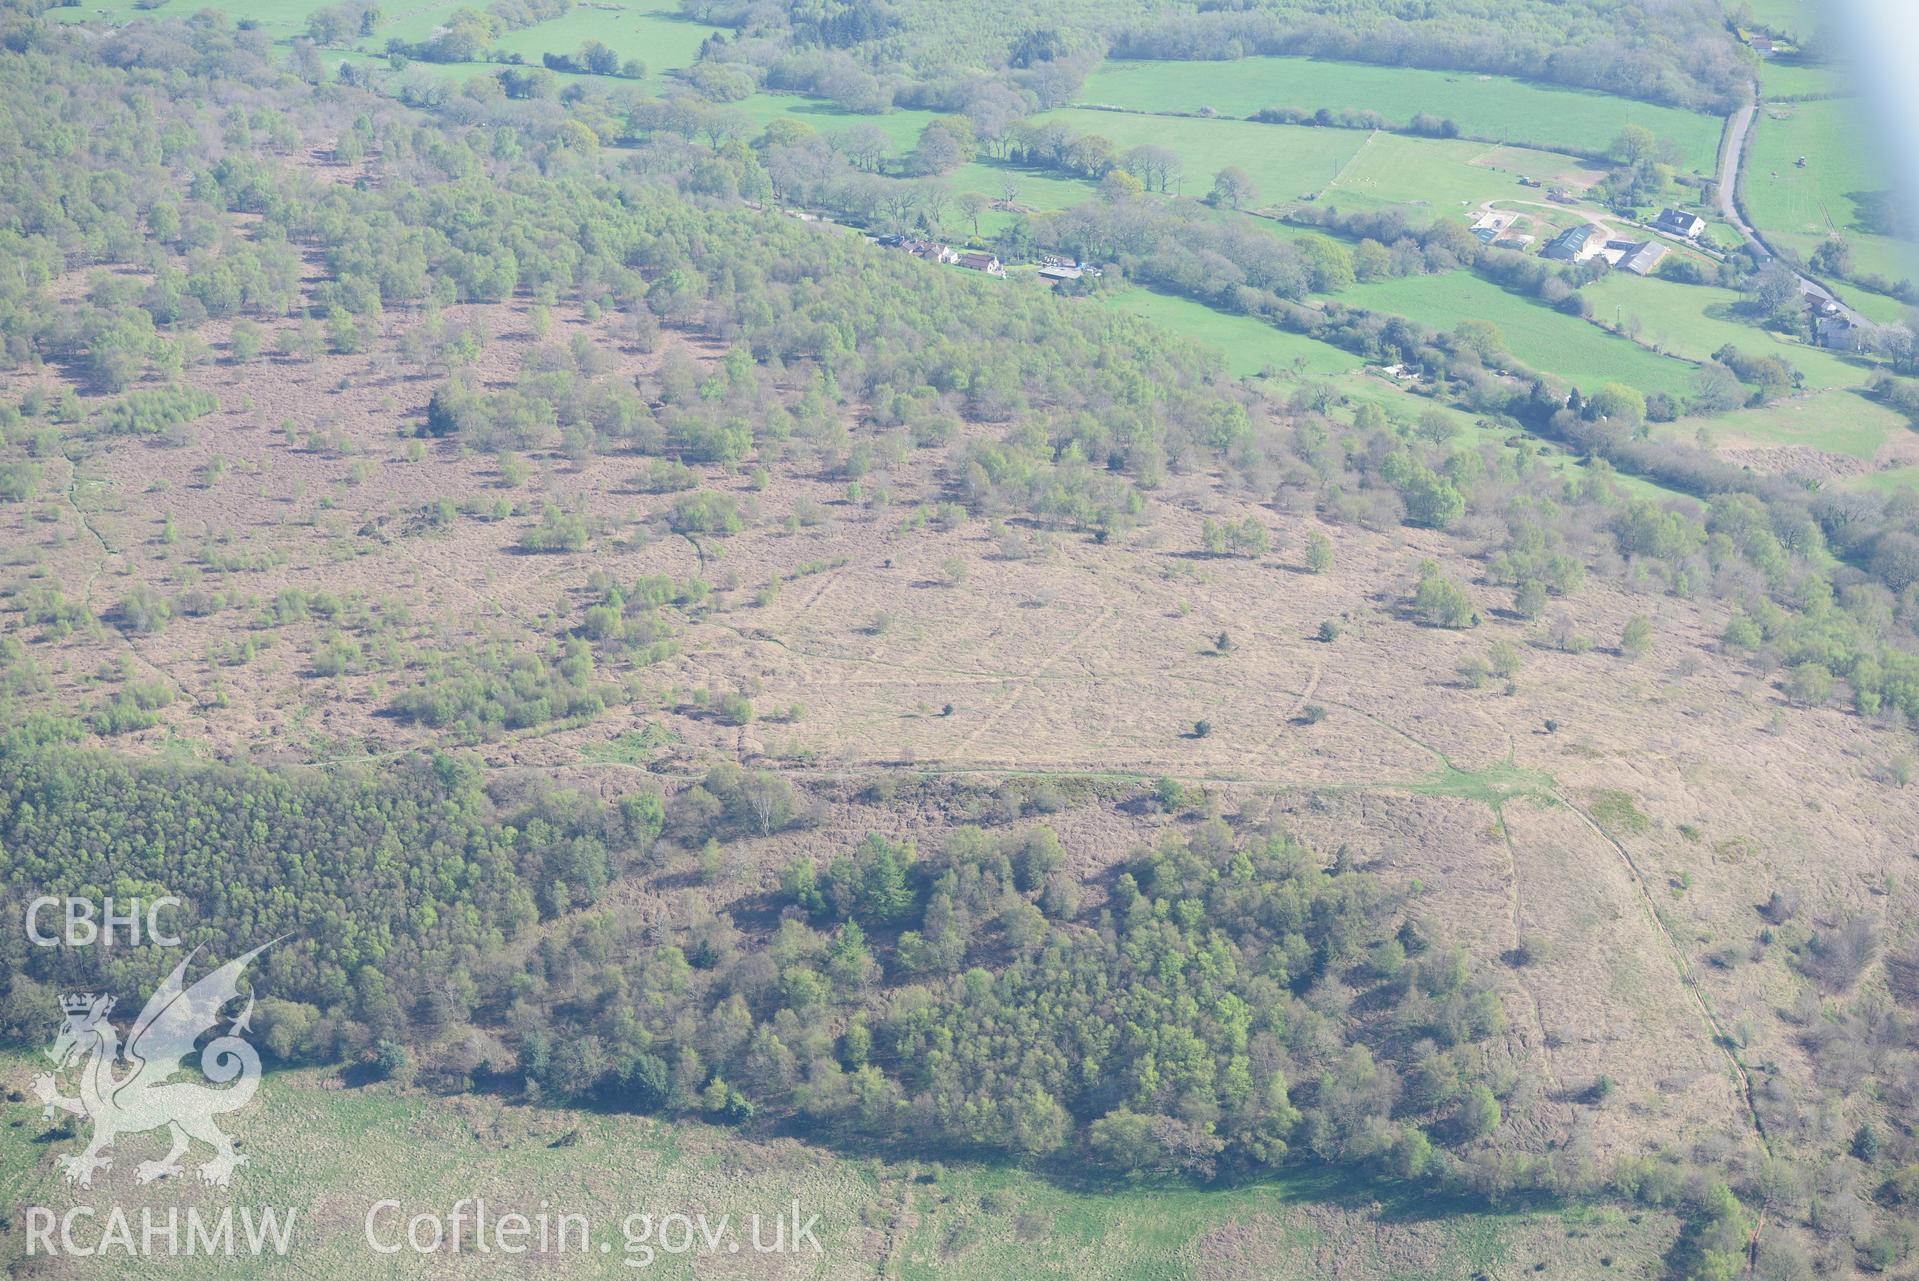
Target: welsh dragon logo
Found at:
x=133, y=1090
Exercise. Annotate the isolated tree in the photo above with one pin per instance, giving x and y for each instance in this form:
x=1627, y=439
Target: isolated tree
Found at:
x=1157, y=167
x=971, y=205
x=1633, y=144
x=1319, y=553
x=863, y=144
x=1479, y=1113
x=934, y=198
x=1636, y=639
x=1775, y=293
x=936, y=152
x=1233, y=189
x=1440, y=600
x=1619, y=405
x=1809, y=683
x=1118, y=187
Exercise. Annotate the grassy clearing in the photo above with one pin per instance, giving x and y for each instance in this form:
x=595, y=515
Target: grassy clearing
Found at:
x=407, y=22
x=1497, y=107
x=1034, y=191
x=1800, y=207
x=1492, y=786
x=1540, y=337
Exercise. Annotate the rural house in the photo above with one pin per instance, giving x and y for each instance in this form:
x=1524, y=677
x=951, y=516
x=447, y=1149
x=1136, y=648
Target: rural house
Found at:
x=1676, y=223
x=978, y=260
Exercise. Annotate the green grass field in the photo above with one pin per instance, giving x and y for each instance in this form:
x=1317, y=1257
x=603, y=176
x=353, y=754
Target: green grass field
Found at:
x=1297, y=363
x=330, y=1153
x=1877, y=307
x=1894, y=480
x=1496, y=107
x=1837, y=422
x=1803, y=79
x=1696, y=320
x=1034, y=190
x=659, y=38
x=1038, y=191
x=901, y=128
x=1800, y=207
x=1284, y=163
x=1345, y=167
x=1540, y=337
x=1795, y=17
x=1249, y=346
x=283, y=19
x=1440, y=177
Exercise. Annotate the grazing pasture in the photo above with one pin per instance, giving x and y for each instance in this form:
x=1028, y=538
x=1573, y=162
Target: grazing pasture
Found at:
x=1833, y=193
